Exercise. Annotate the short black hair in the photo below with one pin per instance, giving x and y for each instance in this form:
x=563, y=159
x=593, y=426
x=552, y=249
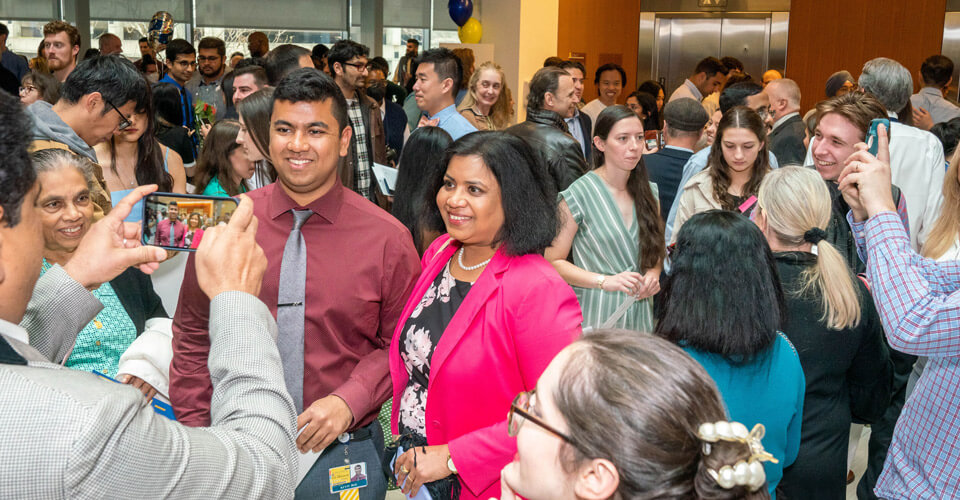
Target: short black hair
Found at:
x=414, y=40
x=343, y=51
x=949, y=134
x=283, y=59
x=313, y=85
x=380, y=64
x=723, y=293
x=259, y=74
x=114, y=77
x=651, y=87
x=527, y=194
x=737, y=94
x=166, y=102
x=565, y=65
x=544, y=80
x=710, y=66
x=732, y=63
x=212, y=42
x=936, y=70
x=552, y=61
x=179, y=47
x=143, y=39
x=4, y=30
x=250, y=61
x=610, y=67
x=236, y=54
x=445, y=64
x=17, y=175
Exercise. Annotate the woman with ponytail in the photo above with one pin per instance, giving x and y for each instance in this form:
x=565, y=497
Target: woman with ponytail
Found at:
x=610, y=221
x=833, y=324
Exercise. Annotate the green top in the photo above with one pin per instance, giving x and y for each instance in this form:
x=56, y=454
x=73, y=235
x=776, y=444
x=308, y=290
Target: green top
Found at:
x=101, y=343
x=604, y=245
x=215, y=189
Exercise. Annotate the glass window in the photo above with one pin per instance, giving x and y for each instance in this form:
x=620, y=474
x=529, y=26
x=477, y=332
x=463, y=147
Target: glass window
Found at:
x=395, y=44
x=25, y=36
x=443, y=36
x=130, y=33
x=236, y=38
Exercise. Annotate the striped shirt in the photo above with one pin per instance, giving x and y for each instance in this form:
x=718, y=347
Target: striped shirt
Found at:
x=364, y=163
x=919, y=304
x=605, y=245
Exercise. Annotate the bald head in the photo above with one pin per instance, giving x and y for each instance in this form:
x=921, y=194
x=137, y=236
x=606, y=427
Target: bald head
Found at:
x=784, y=97
x=771, y=75
x=110, y=44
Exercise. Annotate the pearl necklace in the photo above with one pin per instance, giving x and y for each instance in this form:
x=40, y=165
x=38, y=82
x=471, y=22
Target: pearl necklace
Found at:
x=470, y=268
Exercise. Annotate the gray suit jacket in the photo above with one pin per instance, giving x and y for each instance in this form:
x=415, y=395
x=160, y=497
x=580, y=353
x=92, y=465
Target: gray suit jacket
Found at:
x=70, y=434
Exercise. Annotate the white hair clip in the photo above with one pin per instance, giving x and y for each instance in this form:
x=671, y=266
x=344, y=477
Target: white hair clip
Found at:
x=747, y=472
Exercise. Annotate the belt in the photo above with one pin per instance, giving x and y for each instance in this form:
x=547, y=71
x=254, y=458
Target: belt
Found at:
x=361, y=434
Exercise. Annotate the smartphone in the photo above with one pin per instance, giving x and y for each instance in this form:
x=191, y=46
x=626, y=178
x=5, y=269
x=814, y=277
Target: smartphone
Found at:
x=653, y=139
x=873, y=141
x=177, y=221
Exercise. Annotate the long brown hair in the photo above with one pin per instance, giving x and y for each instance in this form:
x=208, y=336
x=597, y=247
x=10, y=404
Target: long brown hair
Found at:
x=149, y=167
x=501, y=113
x=647, y=206
x=214, y=161
x=944, y=232
x=738, y=117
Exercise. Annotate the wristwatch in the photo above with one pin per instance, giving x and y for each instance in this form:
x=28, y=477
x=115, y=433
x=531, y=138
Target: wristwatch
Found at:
x=601, y=279
x=453, y=468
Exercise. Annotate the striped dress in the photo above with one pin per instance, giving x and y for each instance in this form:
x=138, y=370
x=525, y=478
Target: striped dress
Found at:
x=604, y=245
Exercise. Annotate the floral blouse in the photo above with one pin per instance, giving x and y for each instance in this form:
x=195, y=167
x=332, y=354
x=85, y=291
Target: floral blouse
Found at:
x=418, y=340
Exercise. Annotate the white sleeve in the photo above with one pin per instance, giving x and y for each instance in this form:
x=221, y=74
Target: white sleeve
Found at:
x=148, y=357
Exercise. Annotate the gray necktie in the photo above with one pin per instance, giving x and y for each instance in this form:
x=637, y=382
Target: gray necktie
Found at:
x=290, y=308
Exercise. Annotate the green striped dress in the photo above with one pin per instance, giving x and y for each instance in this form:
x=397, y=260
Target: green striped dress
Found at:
x=603, y=245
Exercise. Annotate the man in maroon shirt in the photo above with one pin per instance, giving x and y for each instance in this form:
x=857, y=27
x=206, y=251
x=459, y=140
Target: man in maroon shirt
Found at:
x=361, y=266
x=170, y=231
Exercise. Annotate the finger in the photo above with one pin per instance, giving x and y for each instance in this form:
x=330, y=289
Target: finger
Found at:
x=242, y=215
x=130, y=231
x=131, y=257
x=149, y=267
x=304, y=436
x=122, y=209
x=883, y=151
x=321, y=439
x=505, y=492
x=850, y=180
x=151, y=393
x=125, y=379
x=417, y=483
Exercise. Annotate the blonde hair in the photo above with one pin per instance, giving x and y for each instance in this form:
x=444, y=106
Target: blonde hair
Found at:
x=795, y=200
x=501, y=114
x=944, y=232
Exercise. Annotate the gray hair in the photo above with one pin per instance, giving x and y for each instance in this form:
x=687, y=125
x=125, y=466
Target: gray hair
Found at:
x=785, y=88
x=543, y=81
x=54, y=159
x=888, y=81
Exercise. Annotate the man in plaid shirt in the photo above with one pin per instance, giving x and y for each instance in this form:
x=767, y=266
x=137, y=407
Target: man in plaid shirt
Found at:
x=919, y=304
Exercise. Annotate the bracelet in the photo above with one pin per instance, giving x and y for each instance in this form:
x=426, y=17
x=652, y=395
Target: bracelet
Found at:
x=600, y=281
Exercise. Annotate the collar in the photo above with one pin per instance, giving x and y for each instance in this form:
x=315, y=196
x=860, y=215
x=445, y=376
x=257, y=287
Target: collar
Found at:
x=9, y=355
x=216, y=82
x=893, y=114
x=444, y=113
x=169, y=79
x=575, y=117
x=931, y=91
x=547, y=117
x=678, y=148
x=693, y=88
x=783, y=119
x=326, y=206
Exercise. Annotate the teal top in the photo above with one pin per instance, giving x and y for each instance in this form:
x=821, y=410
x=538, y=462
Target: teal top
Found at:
x=769, y=390
x=215, y=189
x=101, y=343
x=604, y=245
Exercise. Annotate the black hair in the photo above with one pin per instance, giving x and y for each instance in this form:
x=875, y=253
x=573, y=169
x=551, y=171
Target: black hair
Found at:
x=737, y=94
x=343, y=51
x=937, y=70
x=236, y=54
x=46, y=84
x=310, y=85
x=573, y=64
x=445, y=64
x=226, y=85
x=527, y=193
x=552, y=61
x=166, y=103
x=255, y=112
x=90, y=53
x=282, y=60
x=414, y=40
x=949, y=134
x=610, y=67
x=723, y=293
x=114, y=77
x=250, y=61
x=179, y=47
x=381, y=64
x=17, y=175
x=414, y=205
x=651, y=87
x=732, y=63
x=259, y=74
x=317, y=54
x=212, y=42
x=710, y=66
x=543, y=81
x=143, y=39
x=4, y=30
x=214, y=160
x=649, y=104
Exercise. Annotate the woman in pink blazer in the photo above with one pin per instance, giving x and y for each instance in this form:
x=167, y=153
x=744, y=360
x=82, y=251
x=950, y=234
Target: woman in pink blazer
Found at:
x=485, y=318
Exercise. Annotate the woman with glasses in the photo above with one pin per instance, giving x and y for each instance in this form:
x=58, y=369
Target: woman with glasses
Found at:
x=723, y=304
x=617, y=415
x=484, y=319
x=36, y=86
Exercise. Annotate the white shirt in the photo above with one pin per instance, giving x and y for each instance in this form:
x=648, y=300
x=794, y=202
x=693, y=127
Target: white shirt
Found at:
x=593, y=109
x=688, y=89
x=573, y=126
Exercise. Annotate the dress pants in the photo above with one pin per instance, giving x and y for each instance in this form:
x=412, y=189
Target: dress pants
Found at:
x=316, y=484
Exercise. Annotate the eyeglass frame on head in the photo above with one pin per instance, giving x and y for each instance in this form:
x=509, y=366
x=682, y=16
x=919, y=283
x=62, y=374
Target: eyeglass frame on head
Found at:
x=516, y=409
x=124, y=121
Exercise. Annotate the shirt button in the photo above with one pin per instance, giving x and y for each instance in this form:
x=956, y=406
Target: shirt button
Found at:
x=98, y=342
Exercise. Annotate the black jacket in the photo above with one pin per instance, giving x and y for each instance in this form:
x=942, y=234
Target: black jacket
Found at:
x=786, y=142
x=547, y=134
x=139, y=300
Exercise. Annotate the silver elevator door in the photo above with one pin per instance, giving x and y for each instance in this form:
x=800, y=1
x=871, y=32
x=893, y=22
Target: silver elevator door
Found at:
x=681, y=42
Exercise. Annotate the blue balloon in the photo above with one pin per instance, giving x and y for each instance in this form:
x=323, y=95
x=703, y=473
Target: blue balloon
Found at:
x=460, y=11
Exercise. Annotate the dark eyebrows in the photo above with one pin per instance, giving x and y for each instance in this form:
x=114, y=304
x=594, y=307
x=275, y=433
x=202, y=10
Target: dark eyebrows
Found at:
x=469, y=183
x=318, y=124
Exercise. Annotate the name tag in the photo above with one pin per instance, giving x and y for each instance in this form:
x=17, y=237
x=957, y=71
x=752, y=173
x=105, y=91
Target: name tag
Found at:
x=348, y=477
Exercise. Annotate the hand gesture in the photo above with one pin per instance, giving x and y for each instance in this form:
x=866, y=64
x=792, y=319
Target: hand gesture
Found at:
x=420, y=465
x=229, y=258
x=649, y=284
x=922, y=119
x=322, y=422
x=626, y=282
x=866, y=178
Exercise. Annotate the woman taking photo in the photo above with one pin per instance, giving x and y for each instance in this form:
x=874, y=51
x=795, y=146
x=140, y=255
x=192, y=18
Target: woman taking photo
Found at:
x=254, y=136
x=223, y=168
x=130, y=305
x=487, y=102
x=422, y=158
x=722, y=303
x=611, y=223
x=618, y=415
x=833, y=324
x=734, y=170
x=472, y=333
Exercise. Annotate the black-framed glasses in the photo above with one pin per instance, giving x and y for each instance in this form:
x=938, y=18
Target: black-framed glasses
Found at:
x=359, y=67
x=520, y=411
x=124, y=121
x=26, y=89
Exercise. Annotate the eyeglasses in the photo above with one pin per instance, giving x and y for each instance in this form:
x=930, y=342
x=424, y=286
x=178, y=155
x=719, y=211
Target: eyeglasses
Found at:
x=359, y=67
x=26, y=89
x=208, y=58
x=520, y=411
x=124, y=121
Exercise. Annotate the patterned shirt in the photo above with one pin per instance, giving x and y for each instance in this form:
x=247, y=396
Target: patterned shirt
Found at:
x=363, y=165
x=919, y=304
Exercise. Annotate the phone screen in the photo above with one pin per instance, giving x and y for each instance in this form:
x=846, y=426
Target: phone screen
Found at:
x=873, y=141
x=177, y=221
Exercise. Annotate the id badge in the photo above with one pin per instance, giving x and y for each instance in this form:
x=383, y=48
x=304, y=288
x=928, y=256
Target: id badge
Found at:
x=348, y=477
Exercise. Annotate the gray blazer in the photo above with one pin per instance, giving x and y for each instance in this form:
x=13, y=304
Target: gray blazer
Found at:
x=70, y=434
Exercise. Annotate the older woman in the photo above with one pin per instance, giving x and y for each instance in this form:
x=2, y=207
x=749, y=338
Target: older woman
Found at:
x=129, y=301
x=487, y=103
x=620, y=415
x=473, y=333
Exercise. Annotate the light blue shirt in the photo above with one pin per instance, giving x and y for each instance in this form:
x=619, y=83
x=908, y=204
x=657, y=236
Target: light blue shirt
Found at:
x=573, y=126
x=453, y=122
x=940, y=109
x=694, y=165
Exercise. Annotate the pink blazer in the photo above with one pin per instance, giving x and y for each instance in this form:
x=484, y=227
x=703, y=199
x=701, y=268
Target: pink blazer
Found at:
x=517, y=316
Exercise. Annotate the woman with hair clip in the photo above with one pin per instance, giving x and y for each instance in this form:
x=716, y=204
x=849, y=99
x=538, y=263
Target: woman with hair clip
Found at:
x=833, y=324
x=254, y=136
x=421, y=159
x=487, y=103
x=723, y=304
x=610, y=221
x=133, y=157
x=223, y=168
x=621, y=415
x=734, y=170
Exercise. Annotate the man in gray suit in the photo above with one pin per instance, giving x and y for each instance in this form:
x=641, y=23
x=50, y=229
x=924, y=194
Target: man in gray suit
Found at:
x=69, y=434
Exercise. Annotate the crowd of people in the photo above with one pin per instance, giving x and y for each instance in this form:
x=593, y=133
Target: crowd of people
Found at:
x=702, y=292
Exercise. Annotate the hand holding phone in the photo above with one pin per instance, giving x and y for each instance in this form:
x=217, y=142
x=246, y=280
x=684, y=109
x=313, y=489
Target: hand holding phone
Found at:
x=873, y=142
x=177, y=221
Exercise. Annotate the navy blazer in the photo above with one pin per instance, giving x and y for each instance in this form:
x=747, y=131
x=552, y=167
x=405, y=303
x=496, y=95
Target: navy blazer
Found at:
x=665, y=168
x=394, y=124
x=586, y=125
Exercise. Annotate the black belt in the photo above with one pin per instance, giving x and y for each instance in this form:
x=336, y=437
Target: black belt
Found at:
x=361, y=434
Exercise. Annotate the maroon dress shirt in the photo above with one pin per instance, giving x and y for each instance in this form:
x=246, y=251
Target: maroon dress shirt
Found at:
x=165, y=227
x=361, y=267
